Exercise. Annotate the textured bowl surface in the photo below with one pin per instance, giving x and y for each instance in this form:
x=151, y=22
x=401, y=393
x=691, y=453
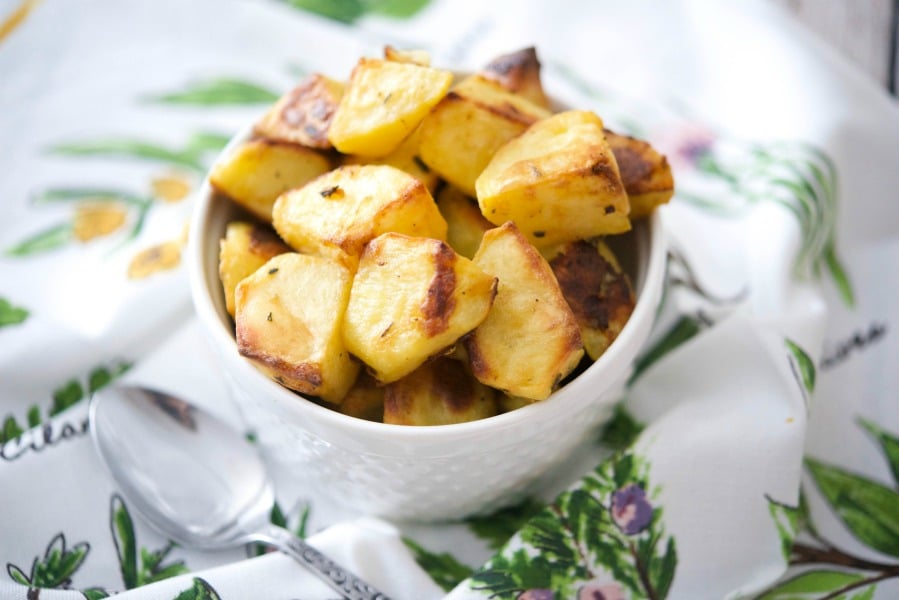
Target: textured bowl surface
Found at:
x=421, y=473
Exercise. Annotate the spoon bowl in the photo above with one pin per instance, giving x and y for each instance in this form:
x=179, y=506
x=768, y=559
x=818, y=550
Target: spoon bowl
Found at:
x=195, y=479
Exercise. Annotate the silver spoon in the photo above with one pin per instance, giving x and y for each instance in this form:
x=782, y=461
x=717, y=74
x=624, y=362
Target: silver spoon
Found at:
x=197, y=480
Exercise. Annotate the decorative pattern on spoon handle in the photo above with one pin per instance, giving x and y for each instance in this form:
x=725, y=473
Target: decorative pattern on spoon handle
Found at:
x=340, y=579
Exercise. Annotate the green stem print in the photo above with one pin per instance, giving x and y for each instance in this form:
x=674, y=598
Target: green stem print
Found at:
x=194, y=155
x=191, y=155
x=604, y=537
x=797, y=176
x=64, y=233
x=138, y=566
x=867, y=508
x=68, y=394
x=218, y=92
x=44, y=240
x=10, y=314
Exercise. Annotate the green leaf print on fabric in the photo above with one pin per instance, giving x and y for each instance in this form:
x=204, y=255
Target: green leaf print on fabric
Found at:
x=349, y=11
x=73, y=391
x=199, y=590
x=224, y=91
x=345, y=11
x=888, y=443
x=868, y=509
x=444, y=569
x=787, y=520
x=621, y=431
x=65, y=396
x=279, y=518
x=496, y=529
x=138, y=567
x=398, y=9
x=603, y=537
x=817, y=584
x=11, y=429
x=11, y=315
x=838, y=274
x=805, y=365
x=55, y=569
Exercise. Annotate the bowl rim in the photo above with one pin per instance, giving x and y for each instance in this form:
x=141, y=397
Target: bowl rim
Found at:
x=615, y=360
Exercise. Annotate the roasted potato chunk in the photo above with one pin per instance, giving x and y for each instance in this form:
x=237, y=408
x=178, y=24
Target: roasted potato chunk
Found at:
x=303, y=115
x=365, y=400
x=509, y=403
x=469, y=125
x=440, y=392
x=259, y=171
x=519, y=72
x=597, y=290
x=383, y=103
x=416, y=57
x=412, y=298
x=289, y=318
x=338, y=213
x=464, y=221
x=405, y=158
x=245, y=248
x=645, y=173
x=558, y=182
x=530, y=339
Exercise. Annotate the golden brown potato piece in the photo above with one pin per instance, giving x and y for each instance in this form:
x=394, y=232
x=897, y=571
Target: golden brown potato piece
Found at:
x=645, y=173
x=509, y=403
x=245, y=248
x=405, y=158
x=289, y=316
x=464, y=221
x=469, y=125
x=440, y=392
x=383, y=103
x=303, y=115
x=338, y=213
x=416, y=57
x=530, y=339
x=259, y=171
x=519, y=72
x=597, y=290
x=412, y=298
x=558, y=182
x=365, y=400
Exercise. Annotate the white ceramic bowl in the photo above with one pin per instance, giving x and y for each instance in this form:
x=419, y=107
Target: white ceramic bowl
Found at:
x=421, y=473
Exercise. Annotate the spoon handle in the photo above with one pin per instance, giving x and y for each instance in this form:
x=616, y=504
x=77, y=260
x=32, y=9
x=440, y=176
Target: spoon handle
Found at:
x=340, y=579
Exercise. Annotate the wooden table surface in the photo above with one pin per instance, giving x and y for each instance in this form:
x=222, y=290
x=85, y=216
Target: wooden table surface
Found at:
x=863, y=30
